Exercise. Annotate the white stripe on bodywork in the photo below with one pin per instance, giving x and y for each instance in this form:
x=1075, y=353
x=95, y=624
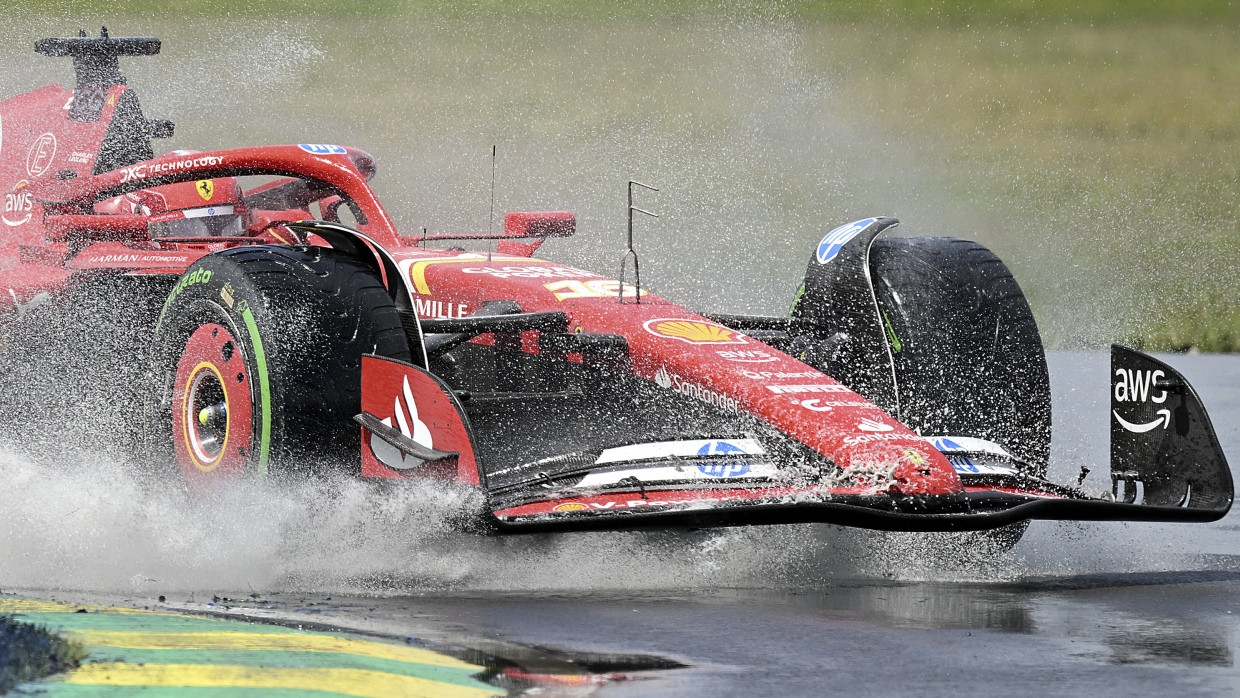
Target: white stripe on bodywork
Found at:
x=672, y=473
x=969, y=465
x=675, y=449
x=208, y=211
x=968, y=444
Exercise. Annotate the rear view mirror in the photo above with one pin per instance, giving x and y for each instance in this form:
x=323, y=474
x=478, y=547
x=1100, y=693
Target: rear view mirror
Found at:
x=539, y=224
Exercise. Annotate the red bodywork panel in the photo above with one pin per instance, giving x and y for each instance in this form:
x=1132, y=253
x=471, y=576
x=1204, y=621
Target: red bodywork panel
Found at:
x=50, y=221
x=38, y=143
x=415, y=402
x=682, y=351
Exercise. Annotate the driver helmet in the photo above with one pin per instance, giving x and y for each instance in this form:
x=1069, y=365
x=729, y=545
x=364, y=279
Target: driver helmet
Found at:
x=204, y=208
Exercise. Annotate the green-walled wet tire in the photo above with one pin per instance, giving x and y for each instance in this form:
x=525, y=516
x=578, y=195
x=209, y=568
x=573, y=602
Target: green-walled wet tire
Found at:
x=968, y=357
x=257, y=356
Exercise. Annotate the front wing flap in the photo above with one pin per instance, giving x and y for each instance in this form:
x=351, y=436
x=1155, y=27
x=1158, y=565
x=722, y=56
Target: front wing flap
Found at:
x=969, y=511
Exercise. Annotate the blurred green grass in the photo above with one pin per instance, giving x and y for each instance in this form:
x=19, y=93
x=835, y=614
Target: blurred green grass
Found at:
x=957, y=13
x=29, y=652
x=1116, y=144
x=1092, y=144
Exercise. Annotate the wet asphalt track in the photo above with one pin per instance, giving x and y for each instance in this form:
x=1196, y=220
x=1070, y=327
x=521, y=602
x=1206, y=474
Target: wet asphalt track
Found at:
x=1077, y=609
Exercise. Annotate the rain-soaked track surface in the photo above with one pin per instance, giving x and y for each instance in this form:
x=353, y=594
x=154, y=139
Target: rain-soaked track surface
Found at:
x=1076, y=609
x=1116, y=634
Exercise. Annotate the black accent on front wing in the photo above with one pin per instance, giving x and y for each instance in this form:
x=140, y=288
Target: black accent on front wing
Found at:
x=1163, y=445
x=959, y=512
x=848, y=339
x=405, y=444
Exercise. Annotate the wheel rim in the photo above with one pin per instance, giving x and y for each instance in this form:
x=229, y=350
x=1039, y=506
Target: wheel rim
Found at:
x=211, y=406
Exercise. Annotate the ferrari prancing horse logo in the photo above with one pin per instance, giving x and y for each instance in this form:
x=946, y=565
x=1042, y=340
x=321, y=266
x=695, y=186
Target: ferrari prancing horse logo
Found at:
x=206, y=189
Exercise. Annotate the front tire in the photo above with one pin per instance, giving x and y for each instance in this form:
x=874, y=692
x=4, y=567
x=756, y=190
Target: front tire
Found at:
x=968, y=357
x=258, y=355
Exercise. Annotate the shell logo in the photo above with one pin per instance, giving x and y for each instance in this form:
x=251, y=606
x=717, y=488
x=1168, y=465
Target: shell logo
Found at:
x=693, y=331
x=570, y=506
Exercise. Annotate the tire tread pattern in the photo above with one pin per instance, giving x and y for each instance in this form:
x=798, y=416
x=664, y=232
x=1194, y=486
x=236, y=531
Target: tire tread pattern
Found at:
x=971, y=360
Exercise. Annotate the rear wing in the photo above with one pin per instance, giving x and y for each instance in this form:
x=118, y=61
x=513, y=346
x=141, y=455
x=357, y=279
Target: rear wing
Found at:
x=95, y=59
x=97, y=71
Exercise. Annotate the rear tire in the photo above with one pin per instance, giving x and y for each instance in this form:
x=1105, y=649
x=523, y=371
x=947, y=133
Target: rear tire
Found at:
x=258, y=355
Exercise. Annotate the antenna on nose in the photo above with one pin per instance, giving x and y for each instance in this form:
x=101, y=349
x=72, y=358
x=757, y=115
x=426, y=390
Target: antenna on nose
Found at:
x=629, y=252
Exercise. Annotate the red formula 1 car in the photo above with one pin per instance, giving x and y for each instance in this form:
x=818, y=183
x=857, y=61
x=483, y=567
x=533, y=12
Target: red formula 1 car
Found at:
x=254, y=311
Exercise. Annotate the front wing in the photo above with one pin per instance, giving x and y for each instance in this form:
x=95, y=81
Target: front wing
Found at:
x=1166, y=465
x=967, y=511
